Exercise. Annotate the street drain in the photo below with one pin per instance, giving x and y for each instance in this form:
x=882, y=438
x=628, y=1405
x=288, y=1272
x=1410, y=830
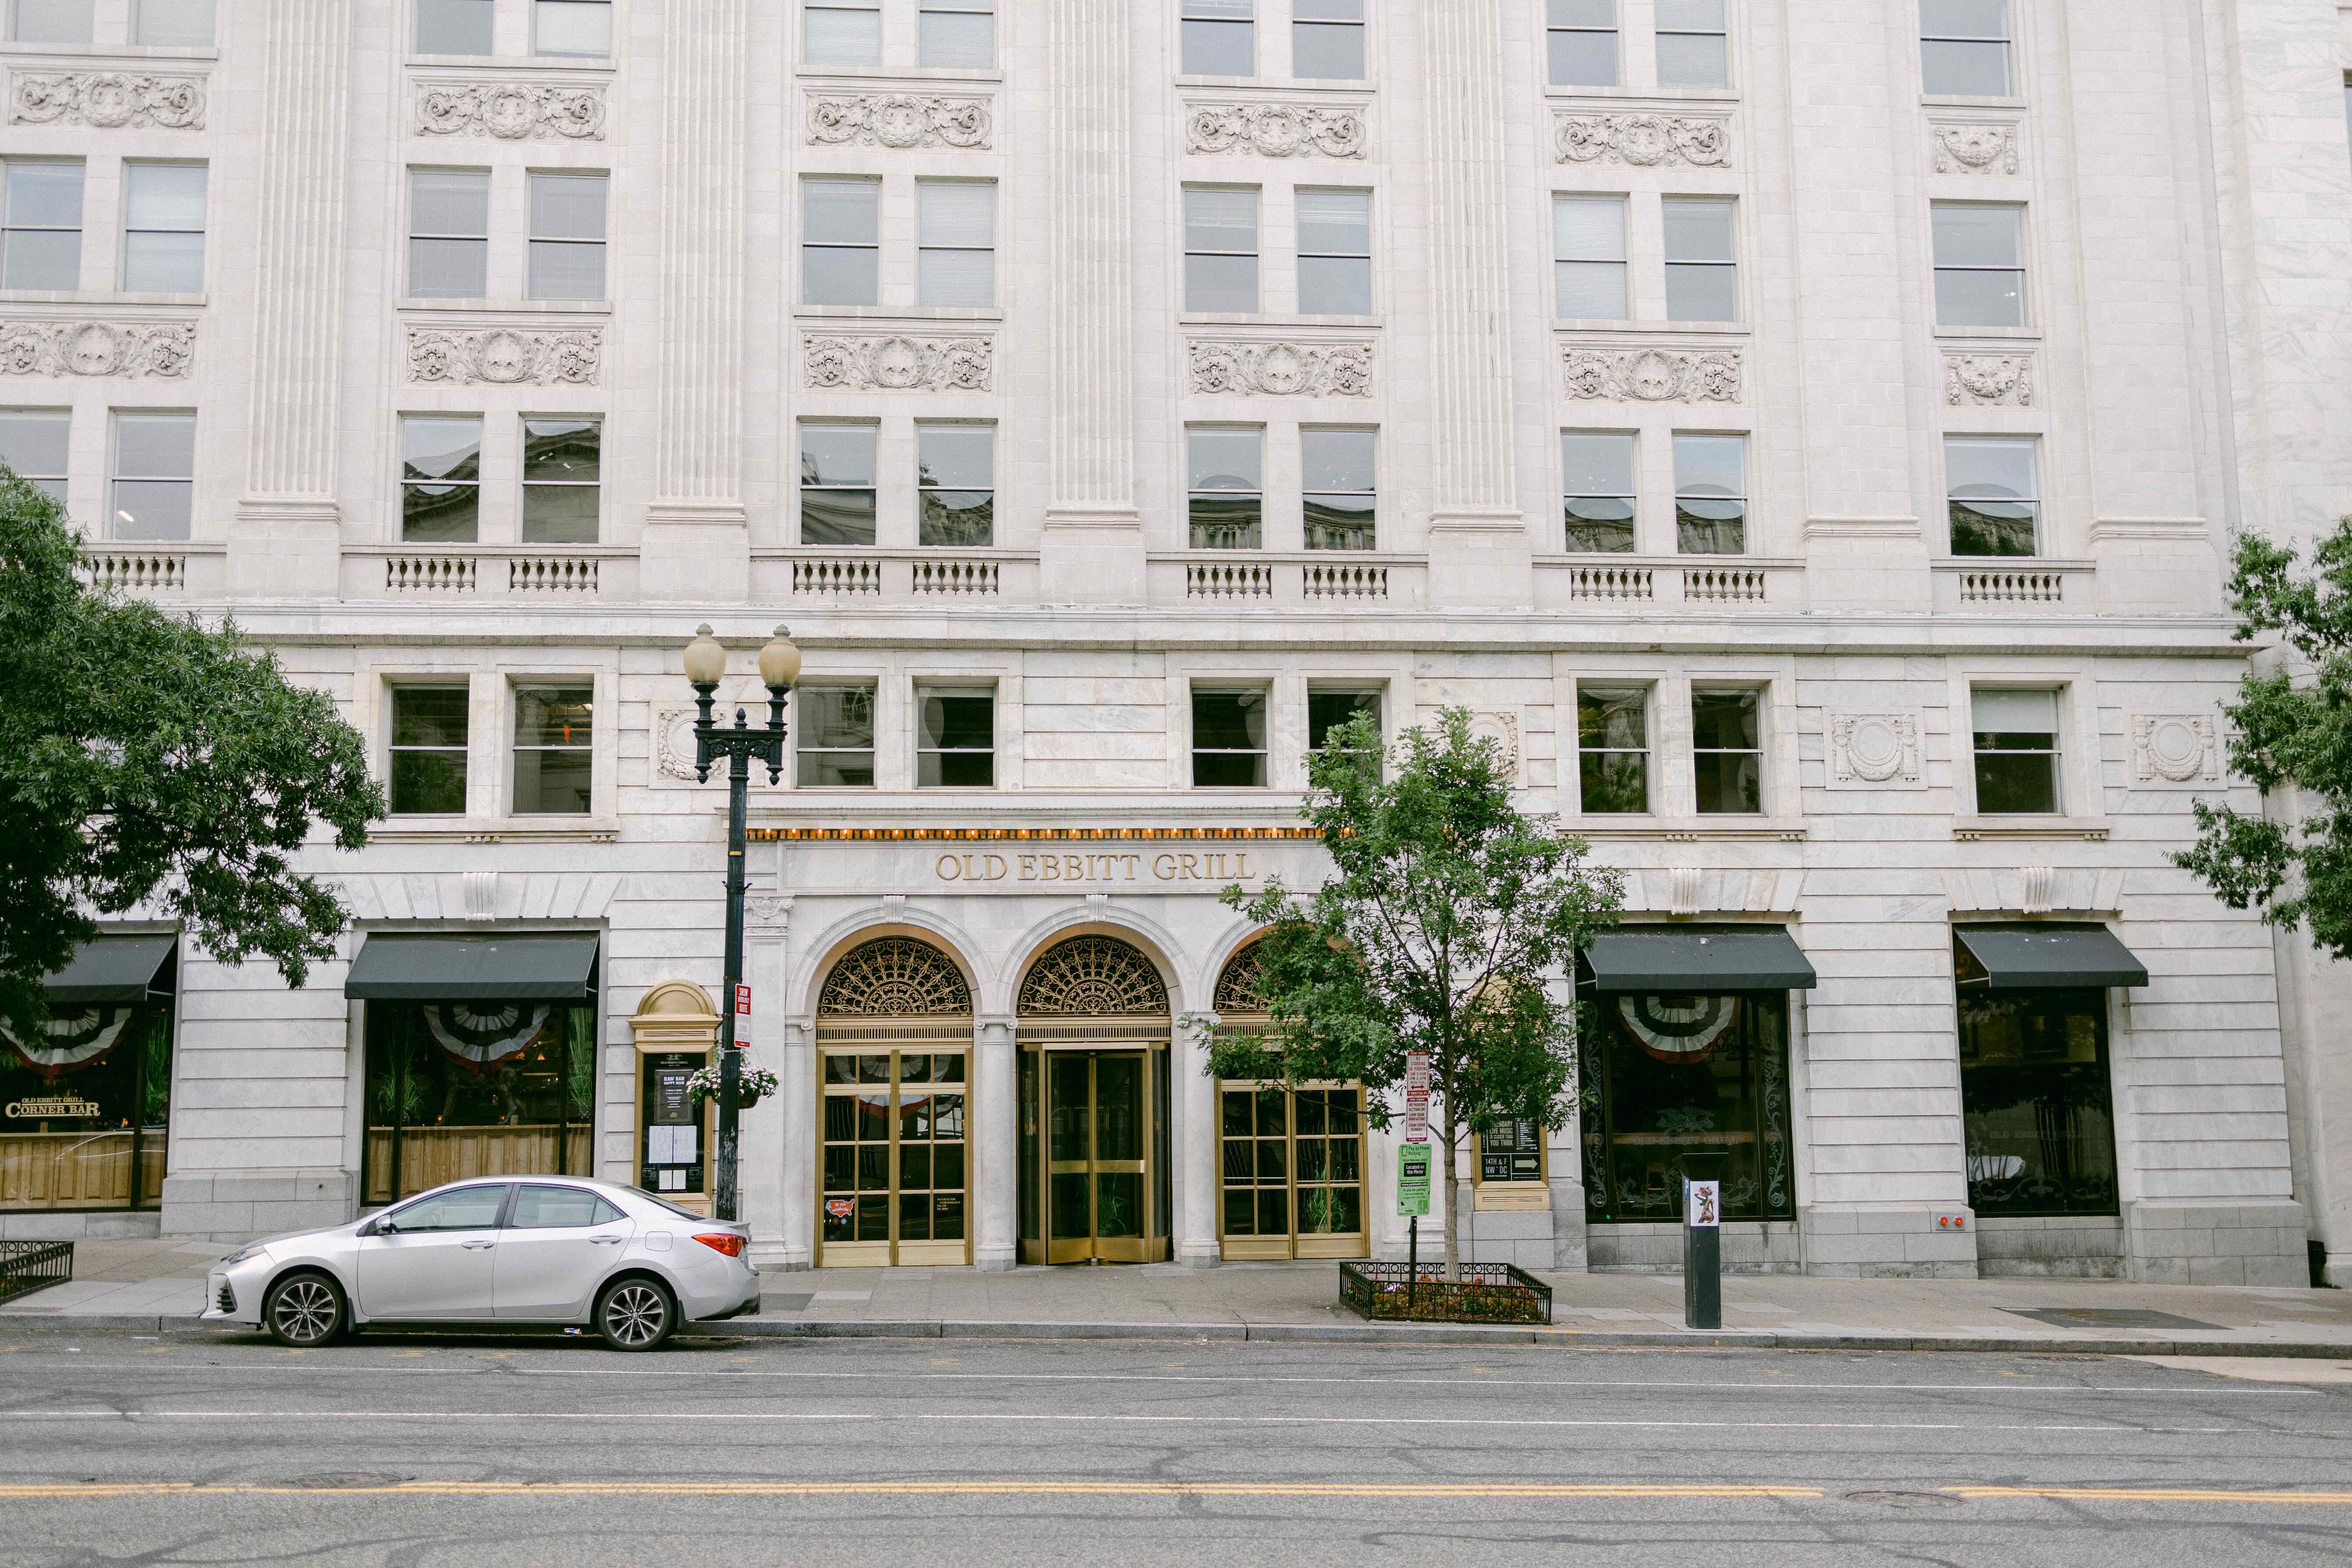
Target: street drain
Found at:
x=1903, y=1499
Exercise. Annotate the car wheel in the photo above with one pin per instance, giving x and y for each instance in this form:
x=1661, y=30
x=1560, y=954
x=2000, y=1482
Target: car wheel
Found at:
x=303, y=1312
x=636, y=1315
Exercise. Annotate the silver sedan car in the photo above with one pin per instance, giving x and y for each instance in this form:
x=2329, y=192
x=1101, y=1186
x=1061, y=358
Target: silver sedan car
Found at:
x=560, y=1251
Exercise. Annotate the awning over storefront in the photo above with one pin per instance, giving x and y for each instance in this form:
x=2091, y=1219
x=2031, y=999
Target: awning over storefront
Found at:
x=504, y=968
x=1680, y=961
x=114, y=969
x=2042, y=958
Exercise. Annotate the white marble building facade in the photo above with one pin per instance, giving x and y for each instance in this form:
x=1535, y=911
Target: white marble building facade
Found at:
x=2174, y=182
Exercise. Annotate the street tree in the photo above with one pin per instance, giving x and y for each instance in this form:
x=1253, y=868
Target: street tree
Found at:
x=1449, y=924
x=2291, y=735
x=148, y=760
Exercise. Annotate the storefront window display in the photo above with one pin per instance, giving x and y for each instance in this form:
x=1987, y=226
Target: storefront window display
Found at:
x=477, y=1088
x=1668, y=1076
x=2037, y=1103
x=86, y=1096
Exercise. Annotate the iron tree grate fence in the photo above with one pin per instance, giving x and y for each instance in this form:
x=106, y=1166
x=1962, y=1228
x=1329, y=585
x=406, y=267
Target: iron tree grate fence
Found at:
x=30, y=1265
x=1486, y=1294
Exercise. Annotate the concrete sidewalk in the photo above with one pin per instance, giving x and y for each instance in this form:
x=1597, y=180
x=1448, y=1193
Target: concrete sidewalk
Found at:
x=155, y=1285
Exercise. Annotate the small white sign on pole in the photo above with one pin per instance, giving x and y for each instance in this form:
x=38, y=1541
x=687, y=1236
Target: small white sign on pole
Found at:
x=742, y=1015
x=1416, y=1096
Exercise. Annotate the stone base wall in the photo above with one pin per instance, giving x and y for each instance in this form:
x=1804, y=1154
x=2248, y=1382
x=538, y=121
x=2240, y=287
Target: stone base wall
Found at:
x=236, y=1206
x=1749, y=1248
x=1888, y=1243
x=2073, y=1248
x=1524, y=1236
x=101, y=1225
x=2256, y=1243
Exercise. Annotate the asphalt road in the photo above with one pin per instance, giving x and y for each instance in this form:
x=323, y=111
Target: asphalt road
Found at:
x=423, y=1450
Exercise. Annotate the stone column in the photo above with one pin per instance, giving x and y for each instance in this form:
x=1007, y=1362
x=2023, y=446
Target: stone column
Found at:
x=994, y=1128
x=1092, y=540
x=286, y=540
x=1195, y=1230
x=697, y=544
x=796, y=1152
x=777, y=1161
x=1478, y=548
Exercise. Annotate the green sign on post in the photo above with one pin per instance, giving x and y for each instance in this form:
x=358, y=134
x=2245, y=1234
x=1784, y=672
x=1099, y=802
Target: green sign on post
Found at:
x=1412, y=1179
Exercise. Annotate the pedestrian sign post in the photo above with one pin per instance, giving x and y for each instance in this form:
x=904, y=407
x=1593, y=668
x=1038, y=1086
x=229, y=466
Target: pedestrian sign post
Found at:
x=1412, y=1179
x=1416, y=1096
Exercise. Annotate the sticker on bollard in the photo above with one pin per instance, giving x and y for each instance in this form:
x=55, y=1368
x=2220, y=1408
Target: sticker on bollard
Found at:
x=1704, y=1202
x=1412, y=1179
x=1703, y=1254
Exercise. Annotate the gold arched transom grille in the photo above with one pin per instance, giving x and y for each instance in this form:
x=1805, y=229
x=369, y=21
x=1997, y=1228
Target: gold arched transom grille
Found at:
x=894, y=976
x=1237, y=985
x=1093, y=977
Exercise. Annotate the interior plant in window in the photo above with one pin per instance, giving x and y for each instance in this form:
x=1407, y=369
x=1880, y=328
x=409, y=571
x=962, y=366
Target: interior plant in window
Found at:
x=1446, y=912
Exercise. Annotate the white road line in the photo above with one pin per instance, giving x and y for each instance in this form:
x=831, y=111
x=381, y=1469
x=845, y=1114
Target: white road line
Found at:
x=977, y=1415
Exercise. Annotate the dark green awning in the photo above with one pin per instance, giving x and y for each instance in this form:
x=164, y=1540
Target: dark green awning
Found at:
x=503, y=968
x=115, y=969
x=2029, y=957
x=1683, y=961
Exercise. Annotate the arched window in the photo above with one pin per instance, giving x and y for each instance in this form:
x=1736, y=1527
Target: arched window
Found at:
x=1237, y=984
x=1093, y=977
x=894, y=976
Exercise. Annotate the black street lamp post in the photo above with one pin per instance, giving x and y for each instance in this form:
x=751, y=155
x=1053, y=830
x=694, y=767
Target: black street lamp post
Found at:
x=706, y=666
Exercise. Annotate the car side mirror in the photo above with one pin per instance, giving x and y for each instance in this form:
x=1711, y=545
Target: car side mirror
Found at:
x=378, y=1228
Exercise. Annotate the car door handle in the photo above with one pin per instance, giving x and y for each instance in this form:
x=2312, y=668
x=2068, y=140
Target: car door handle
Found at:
x=476, y=1246
x=606, y=1240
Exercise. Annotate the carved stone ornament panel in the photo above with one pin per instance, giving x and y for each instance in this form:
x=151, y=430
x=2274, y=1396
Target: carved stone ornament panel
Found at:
x=1281, y=370
x=1644, y=140
x=1975, y=149
x=896, y=364
x=898, y=119
x=673, y=744
x=1652, y=375
x=108, y=99
x=1874, y=751
x=1988, y=381
x=2175, y=749
x=504, y=356
x=97, y=348
x=1274, y=129
x=510, y=112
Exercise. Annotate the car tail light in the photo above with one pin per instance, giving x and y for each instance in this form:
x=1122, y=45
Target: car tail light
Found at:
x=719, y=1242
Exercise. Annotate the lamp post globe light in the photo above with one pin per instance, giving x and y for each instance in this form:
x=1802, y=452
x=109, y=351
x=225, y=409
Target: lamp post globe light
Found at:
x=706, y=666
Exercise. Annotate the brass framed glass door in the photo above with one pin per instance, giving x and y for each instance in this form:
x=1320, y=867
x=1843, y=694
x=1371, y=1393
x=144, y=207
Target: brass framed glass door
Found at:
x=892, y=1161
x=1098, y=1153
x=1292, y=1171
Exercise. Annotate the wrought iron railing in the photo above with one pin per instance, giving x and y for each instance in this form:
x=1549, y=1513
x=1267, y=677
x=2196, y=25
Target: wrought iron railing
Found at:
x=1485, y=1293
x=27, y=1266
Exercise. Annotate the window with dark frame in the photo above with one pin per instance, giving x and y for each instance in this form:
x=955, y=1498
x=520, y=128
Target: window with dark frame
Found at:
x=554, y=750
x=1663, y=1077
x=1228, y=739
x=955, y=739
x=1327, y=710
x=453, y=1088
x=1993, y=494
x=2037, y=1098
x=1612, y=728
x=2016, y=751
x=1726, y=752
x=428, y=750
x=835, y=737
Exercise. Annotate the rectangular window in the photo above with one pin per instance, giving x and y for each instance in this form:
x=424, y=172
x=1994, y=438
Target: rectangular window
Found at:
x=1589, y=257
x=428, y=751
x=836, y=731
x=1226, y=484
x=1220, y=37
x=1711, y=494
x=1228, y=741
x=1693, y=50
x=561, y=463
x=1328, y=710
x=1327, y=40
x=2037, y=1102
x=1702, y=278
x=1583, y=35
x=841, y=32
x=578, y=29
x=2017, y=752
x=1964, y=48
x=34, y=443
x=553, y=759
x=449, y=234
x=42, y=247
x=154, y=476
x=440, y=479
x=1995, y=501
x=454, y=27
x=955, y=479
x=1612, y=728
x=567, y=236
x=49, y=21
x=841, y=242
x=836, y=483
x=1335, y=253
x=1980, y=265
x=1341, y=503
x=957, y=33
x=164, y=228
x=174, y=24
x=1220, y=249
x=955, y=260
x=1597, y=480
x=1668, y=1077
x=955, y=741
x=1726, y=752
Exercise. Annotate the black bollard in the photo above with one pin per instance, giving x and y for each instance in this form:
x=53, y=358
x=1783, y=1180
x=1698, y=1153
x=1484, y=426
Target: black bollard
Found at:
x=1703, y=1254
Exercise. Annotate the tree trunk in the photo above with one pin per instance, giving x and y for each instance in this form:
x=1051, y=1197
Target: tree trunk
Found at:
x=1453, y=1218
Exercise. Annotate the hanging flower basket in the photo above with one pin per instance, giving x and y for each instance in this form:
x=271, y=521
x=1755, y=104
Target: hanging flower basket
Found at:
x=752, y=1085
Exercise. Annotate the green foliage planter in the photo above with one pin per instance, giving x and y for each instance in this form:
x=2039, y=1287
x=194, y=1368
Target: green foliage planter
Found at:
x=1485, y=1293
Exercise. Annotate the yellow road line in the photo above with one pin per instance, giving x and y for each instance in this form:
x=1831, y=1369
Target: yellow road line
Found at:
x=2154, y=1494
x=897, y=1489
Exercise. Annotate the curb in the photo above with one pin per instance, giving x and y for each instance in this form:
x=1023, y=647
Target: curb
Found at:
x=1323, y=1333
